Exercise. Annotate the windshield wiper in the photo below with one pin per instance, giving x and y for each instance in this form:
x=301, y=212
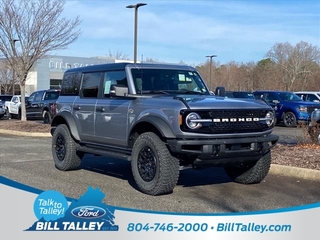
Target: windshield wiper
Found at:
x=191, y=92
x=154, y=92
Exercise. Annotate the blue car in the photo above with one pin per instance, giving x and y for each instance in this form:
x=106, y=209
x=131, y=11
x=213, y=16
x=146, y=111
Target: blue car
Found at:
x=289, y=107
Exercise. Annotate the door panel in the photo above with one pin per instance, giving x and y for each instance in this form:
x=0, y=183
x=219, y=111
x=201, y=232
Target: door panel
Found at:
x=112, y=121
x=83, y=110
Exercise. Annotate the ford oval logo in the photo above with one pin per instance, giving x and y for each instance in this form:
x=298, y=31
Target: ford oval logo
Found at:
x=88, y=212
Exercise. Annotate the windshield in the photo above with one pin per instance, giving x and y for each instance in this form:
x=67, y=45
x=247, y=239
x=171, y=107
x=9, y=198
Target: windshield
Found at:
x=288, y=96
x=167, y=81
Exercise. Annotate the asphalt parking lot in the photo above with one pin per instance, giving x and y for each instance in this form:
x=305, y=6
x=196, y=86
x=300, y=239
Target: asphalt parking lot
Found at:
x=198, y=191
x=290, y=135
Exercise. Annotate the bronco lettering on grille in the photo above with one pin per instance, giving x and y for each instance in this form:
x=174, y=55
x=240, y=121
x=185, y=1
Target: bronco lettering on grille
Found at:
x=217, y=120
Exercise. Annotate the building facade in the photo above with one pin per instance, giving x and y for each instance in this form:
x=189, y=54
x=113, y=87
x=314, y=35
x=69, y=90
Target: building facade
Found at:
x=48, y=72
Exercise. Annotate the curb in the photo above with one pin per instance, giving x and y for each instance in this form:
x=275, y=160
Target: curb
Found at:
x=289, y=171
x=276, y=169
x=25, y=134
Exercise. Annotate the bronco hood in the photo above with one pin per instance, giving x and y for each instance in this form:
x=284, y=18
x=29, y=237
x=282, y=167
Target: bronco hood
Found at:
x=212, y=102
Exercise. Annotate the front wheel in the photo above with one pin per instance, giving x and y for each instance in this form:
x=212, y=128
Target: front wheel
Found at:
x=154, y=170
x=251, y=172
x=64, y=149
x=19, y=115
x=289, y=119
x=7, y=115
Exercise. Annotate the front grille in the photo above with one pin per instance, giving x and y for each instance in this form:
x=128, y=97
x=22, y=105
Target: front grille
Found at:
x=234, y=126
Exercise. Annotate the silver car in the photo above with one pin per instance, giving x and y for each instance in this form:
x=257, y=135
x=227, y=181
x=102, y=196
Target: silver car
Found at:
x=314, y=126
x=2, y=109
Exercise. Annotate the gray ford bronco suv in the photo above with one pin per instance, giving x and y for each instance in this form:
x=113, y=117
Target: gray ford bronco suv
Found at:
x=162, y=118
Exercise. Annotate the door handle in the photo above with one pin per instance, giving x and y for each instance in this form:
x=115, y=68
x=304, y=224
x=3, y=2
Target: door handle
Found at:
x=77, y=108
x=101, y=109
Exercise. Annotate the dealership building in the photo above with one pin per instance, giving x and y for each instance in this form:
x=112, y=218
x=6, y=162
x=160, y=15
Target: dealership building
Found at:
x=48, y=72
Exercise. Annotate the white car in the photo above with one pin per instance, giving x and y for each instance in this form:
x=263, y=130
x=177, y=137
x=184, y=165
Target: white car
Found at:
x=14, y=105
x=309, y=96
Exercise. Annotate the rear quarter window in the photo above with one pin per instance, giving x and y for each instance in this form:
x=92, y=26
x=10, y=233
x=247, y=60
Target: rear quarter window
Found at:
x=70, y=84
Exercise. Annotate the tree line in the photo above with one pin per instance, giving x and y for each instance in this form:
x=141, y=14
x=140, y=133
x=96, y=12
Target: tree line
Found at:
x=286, y=67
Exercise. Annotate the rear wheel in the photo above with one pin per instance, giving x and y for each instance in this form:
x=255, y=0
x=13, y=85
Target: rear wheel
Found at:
x=251, y=172
x=64, y=149
x=289, y=119
x=46, y=117
x=154, y=170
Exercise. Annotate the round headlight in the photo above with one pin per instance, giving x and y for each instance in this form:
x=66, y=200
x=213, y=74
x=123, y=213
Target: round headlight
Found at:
x=191, y=121
x=270, y=118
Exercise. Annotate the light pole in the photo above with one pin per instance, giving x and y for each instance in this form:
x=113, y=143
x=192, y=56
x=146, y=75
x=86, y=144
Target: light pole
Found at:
x=135, y=26
x=210, y=56
x=13, y=71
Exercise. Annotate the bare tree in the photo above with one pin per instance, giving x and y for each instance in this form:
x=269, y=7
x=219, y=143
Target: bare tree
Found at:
x=151, y=60
x=117, y=55
x=38, y=27
x=5, y=77
x=296, y=62
x=265, y=76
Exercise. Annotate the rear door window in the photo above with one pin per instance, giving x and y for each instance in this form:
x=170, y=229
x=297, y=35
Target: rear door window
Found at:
x=90, y=85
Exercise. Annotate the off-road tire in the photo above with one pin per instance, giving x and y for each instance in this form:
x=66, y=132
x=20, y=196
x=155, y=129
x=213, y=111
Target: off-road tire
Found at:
x=64, y=149
x=154, y=170
x=289, y=119
x=250, y=173
x=46, y=117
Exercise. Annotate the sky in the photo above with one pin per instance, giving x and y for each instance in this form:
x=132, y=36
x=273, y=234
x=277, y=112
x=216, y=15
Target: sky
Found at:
x=239, y=31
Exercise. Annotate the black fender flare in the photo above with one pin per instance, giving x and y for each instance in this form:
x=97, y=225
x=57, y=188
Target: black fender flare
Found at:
x=161, y=125
x=66, y=118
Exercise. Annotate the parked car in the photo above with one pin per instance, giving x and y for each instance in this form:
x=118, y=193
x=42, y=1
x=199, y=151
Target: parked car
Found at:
x=309, y=96
x=2, y=109
x=13, y=107
x=289, y=108
x=5, y=98
x=314, y=126
x=41, y=105
x=239, y=94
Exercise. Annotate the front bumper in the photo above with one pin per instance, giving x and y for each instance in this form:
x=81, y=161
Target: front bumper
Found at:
x=219, y=150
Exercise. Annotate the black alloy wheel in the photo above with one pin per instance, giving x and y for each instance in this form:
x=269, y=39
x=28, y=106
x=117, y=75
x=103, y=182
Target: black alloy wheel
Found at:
x=60, y=147
x=147, y=164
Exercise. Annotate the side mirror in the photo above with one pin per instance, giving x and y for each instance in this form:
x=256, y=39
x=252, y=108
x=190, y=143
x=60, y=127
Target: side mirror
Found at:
x=220, y=91
x=118, y=91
